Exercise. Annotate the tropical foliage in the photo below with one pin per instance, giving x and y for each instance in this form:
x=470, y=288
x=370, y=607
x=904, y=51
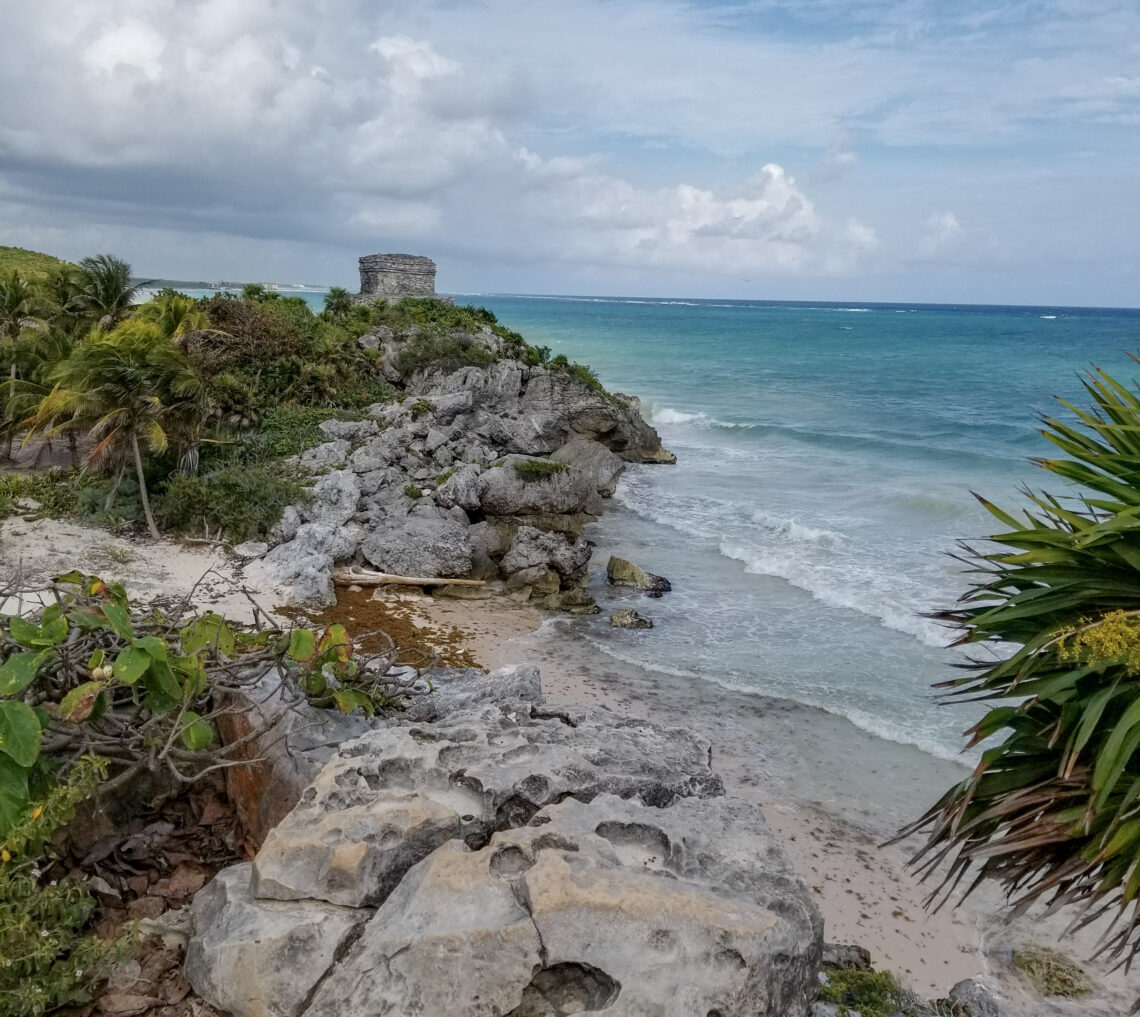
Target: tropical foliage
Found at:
x=48, y=959
x=1052, y=810
x=89, y=674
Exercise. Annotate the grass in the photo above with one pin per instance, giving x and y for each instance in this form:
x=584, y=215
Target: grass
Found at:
x=531, y=470
x=1052, y=973
x=420, y=407
x=31, y=265
x=412, y=491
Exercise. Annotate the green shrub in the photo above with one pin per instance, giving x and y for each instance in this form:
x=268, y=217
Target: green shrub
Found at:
x=47, y=959
x=57, y=491
x=432, y=351
x=420, y=407
x=580, y=371
x=236, y=502
x=531, y=470
x=871, y=993
x=412, y=491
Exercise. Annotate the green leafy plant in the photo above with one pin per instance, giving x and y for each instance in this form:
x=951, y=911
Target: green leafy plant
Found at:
x=531, y=470
x=420, y=407
x=47, y=958
x=412, y=491
x=88, y=674
x=870, y=993
x=1052, y=810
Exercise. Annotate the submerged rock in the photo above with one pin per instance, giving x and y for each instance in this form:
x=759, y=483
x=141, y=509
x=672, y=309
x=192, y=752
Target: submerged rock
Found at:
x=629, y=619
x=621, y=572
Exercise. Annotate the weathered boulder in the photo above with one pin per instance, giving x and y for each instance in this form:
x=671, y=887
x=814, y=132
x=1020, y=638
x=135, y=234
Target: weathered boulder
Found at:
x=332, y=499
x=846, y=956
x=461, y=488
x=429, y=542
x=612, y=906
x=392, y=796
x=513, y=490
x=980, y=1001
x=251, y=549
x=628, y=618
x=594, y=461
x=531, y=547
x=290, y=742
x=325, y=456
x=261, y=958
x=307, y=560
x=621, y=572
x=353, y=431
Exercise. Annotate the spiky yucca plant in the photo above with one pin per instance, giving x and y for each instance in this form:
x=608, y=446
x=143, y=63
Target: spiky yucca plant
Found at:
x=1052, y=810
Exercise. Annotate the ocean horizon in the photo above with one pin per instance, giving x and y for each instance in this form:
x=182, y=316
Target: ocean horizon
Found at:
x=827, y=451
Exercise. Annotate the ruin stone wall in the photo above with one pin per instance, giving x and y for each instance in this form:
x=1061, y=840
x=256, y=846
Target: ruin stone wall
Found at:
x=393, y=276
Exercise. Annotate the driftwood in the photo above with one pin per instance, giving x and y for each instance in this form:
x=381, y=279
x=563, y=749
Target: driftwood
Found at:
x=356, y=576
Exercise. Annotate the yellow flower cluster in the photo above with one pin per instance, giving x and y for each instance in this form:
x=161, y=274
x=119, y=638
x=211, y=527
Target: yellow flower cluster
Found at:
x=1115, y=638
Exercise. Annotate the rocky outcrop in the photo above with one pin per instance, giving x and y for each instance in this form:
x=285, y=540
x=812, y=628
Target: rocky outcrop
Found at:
x=621, y=572
x=455, y=480
x=628, y=618
x=491, y=855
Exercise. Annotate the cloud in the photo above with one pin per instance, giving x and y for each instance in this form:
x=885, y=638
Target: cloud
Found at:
x=941, y=233
x=508, y=135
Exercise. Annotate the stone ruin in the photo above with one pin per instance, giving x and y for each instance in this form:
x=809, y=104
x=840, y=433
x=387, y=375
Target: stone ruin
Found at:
x=394, y=276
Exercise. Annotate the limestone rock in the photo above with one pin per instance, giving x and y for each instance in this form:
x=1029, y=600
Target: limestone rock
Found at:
x=504, y=492
x=621, y=572
x=980, y=1001
x=261, y=958
x=594, y=461
x=333, y=499
x=251, y=549
x=350, y=430
x=611, y=906
x=846, y=956
x=629, y=619
x=392, y=796
x=291, y=743
x=325, y=456
x=423, y=544
x=531, y=547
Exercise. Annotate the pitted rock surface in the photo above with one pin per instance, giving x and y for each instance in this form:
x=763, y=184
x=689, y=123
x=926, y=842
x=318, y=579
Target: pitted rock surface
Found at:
x=392, y=796
x=261, y=958
x=610, y=906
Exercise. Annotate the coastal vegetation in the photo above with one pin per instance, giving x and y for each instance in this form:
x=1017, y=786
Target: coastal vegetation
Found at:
x=102, y=697
x=183, y=415
x=1052, y=810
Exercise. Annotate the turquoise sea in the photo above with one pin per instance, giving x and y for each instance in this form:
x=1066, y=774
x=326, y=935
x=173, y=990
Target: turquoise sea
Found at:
x=826, y=455
x=826, y=458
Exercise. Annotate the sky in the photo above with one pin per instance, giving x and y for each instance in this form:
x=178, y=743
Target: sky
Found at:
x=911, y=150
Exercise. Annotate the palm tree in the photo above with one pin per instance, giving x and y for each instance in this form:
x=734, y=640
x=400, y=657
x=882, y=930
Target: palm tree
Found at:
x=126, y=388
x=105, y=289
x=175, y=314
x=17, y=303
x=338, y=302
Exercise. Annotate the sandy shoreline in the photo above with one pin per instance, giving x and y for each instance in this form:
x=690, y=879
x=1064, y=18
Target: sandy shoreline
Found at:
x=767, y=751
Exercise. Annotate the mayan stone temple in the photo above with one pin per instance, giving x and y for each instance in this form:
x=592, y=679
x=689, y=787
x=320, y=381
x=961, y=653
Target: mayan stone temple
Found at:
x=394, y=276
